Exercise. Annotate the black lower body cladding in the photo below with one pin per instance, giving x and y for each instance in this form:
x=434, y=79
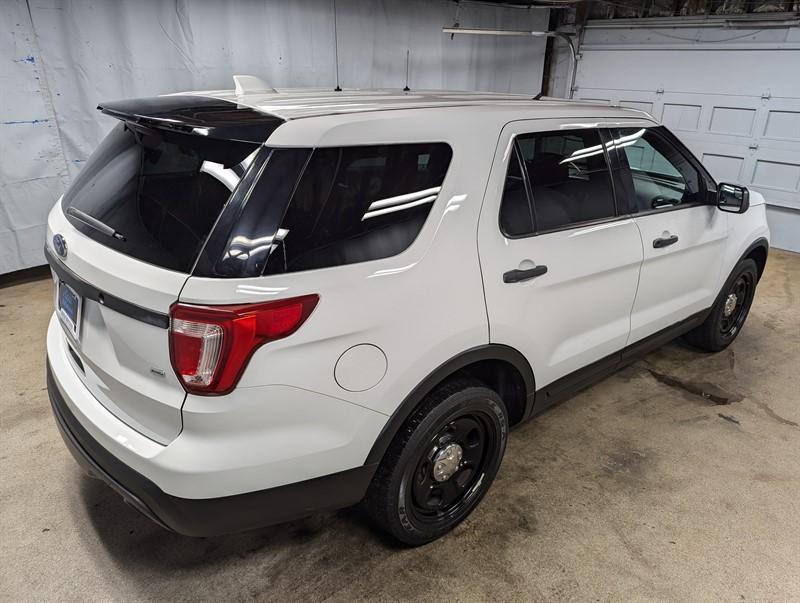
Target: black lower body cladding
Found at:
x=211, y=516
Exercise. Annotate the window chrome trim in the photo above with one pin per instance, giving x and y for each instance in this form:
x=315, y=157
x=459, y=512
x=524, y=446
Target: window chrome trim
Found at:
x=669, y=208
x=572, y=226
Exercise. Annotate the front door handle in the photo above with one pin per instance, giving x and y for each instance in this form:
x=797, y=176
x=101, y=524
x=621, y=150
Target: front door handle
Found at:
x=665, y=241
x=517, y=276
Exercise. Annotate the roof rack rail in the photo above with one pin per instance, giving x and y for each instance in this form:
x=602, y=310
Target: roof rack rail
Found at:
x=577, y=100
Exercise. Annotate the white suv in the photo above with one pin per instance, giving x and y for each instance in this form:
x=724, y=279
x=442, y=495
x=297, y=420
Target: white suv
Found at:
x=274, y=303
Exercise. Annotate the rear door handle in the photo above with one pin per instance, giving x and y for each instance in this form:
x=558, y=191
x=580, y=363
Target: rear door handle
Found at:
x=517, y=276
x=665, y=241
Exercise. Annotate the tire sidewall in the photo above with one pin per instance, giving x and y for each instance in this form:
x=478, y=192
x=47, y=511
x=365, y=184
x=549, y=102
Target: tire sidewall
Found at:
x=745, y=266
x=473, y=399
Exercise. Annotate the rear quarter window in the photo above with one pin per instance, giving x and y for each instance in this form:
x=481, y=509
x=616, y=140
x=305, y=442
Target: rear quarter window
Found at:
x=355, y=204
x=323, y=207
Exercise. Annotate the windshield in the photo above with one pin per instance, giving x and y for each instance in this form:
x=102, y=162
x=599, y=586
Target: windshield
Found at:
x=155, y=194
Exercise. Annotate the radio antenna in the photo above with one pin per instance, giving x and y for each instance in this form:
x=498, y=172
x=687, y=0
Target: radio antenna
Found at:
x=406, y=89
x=336, y=48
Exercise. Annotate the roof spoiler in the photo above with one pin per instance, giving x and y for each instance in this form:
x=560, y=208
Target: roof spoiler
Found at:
x=193, y=114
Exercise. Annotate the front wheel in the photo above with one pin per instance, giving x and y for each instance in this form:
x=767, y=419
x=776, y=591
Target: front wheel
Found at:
x=441, y=464
x=730, y=310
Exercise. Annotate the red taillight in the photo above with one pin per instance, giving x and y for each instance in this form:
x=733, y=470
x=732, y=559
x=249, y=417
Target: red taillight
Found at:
x=211, y=345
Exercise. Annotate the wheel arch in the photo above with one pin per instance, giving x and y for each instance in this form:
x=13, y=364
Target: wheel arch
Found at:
x=501, y=367
x=757, y=251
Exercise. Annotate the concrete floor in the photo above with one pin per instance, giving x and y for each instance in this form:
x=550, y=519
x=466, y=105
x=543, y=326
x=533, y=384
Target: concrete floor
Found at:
x=639, y=488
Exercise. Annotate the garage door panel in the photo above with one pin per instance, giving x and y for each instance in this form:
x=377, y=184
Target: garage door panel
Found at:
x=724, y=119
x=724, y=168
x=780, y=129
x=782, y=125
x=776, y=175
x=732, y=121
x=646, y=106
x=681, y=117
x=727, y=162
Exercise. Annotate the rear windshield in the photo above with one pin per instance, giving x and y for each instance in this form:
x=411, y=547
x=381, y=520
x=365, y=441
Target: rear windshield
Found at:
x=155, y=194
x=324, y=207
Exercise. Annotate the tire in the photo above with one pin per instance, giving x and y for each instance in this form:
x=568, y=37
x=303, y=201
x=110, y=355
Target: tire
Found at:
x=441, y=464
x=730, y=310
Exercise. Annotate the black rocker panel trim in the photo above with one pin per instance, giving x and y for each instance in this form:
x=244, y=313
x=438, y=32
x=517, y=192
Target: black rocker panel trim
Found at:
x=476, y=354
x=206, y=516
x=89, y=291
x=569, y=385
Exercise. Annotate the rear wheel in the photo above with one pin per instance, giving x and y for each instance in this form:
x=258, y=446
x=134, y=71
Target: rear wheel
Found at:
x=441, y=464
x=730, y=310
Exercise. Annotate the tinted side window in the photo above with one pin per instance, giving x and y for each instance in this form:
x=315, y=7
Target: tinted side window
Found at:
x=355, y=204
x=662, y=176
x=515, y=211
x=569, y=178
x=243, y=238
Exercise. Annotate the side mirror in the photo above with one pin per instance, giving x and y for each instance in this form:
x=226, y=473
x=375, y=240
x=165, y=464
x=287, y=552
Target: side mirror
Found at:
x=733, y=198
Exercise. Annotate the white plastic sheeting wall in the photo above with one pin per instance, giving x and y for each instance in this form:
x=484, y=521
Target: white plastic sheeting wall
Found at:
x=58, y=59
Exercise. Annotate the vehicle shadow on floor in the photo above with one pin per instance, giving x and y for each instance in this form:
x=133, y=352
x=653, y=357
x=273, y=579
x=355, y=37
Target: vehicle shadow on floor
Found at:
x=324, y=556
x=315, y=558
x=127, y=534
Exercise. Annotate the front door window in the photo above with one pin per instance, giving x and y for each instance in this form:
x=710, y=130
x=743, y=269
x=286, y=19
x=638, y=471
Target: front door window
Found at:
x=662, y=177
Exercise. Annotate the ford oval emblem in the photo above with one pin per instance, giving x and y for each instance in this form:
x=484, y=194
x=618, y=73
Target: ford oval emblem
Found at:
x=60, y=245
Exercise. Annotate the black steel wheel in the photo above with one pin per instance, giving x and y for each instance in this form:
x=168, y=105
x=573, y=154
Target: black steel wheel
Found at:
x=730, y=310
x=441, y=464
x=736, y=306
x=446, y=476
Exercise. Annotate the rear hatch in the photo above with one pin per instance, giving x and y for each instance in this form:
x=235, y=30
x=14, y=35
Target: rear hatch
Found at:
x=125, y=238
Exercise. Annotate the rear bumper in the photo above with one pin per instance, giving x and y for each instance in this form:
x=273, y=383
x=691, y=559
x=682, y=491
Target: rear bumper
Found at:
x=208, y=516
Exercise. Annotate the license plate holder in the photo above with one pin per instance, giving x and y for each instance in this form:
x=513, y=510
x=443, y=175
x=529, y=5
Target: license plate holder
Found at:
x=69, y=309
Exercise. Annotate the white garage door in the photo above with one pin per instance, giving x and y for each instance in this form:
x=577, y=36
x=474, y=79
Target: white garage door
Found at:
x=734, y=104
